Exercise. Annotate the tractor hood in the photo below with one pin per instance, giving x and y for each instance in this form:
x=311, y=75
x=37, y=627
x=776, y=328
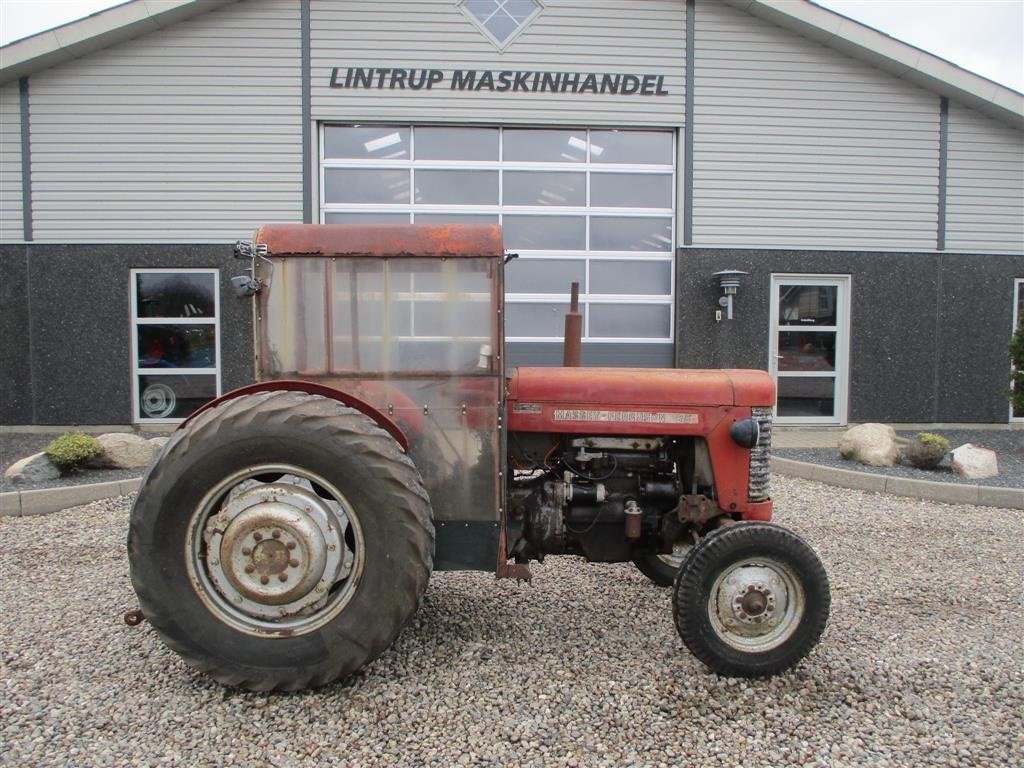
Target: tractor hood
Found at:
x=642, y=387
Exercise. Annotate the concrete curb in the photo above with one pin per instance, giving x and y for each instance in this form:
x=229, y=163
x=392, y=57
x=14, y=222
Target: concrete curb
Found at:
x=45, y=500
x=950, y=493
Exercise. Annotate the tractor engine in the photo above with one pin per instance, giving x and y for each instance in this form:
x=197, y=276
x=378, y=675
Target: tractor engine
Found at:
x=605, y=498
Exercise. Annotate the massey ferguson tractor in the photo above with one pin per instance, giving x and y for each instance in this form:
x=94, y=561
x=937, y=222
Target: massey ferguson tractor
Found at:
x=287, y=532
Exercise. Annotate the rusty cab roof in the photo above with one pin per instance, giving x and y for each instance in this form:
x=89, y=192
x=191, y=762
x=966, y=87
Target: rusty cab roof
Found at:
x=443, y=241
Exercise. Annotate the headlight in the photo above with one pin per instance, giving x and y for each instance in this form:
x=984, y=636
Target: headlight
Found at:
x=745, y=432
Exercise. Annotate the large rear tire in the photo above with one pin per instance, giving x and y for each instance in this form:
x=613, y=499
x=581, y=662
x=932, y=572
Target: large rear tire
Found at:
x=281, y=541
x=751, y=599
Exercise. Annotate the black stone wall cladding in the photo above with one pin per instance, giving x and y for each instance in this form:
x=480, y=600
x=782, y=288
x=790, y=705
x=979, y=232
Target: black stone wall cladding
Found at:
x=66, y=330
x=928, y=330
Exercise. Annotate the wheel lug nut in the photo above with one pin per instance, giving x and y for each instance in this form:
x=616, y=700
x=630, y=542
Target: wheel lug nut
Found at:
x=291, y=545
x=264, y=579
x=293, y=563
x=282, y=577
x=258, y=536
x=250, y=568
x=246, y=551
x=276, y=534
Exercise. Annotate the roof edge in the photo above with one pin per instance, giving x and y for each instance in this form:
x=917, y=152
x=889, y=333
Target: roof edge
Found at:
x=99, y=30
x=901, y=59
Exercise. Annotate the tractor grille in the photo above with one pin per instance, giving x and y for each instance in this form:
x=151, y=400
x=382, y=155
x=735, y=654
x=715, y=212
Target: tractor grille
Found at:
x=760, y=455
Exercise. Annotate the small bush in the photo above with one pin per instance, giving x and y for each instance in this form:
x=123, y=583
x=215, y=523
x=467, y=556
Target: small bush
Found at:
x=927, y=450
x=71, y=450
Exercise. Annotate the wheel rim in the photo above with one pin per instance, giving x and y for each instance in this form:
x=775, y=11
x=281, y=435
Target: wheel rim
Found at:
x=275, y=550
x=756, y=604
x=158, y=401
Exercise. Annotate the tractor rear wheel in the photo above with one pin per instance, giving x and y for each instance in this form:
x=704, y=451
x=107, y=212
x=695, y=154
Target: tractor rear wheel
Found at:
x=751, y=599
x=281, y=541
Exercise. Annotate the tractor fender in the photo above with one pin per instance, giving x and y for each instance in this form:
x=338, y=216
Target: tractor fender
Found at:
x=295, y=385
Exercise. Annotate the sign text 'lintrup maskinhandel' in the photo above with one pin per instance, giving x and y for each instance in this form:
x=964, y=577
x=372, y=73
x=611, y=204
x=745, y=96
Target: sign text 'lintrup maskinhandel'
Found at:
x=505, y=81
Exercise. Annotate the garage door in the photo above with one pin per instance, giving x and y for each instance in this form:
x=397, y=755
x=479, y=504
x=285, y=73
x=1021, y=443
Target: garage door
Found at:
x=594, y=206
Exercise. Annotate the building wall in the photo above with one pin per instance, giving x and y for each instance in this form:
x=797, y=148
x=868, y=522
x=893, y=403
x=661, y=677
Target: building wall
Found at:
x=10, y=164
x=66, y=335
x=928, y=330
x=190, y=133
x=797, y=145
x=606, y=36
x=985, y=208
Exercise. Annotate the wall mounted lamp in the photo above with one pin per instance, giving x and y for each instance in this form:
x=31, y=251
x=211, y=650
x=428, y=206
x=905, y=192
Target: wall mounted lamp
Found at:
x=729, y=282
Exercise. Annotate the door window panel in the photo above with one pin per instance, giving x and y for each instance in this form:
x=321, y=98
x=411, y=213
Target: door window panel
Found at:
x=378, y=185
x=457, y=187
x=632, y=147
x=807, y=305
x=545, y=188
x=364, y=142
x=806, y=396
x=456, y=143
x=630, y=190
x=641, y=277
x=807, y=351
x=543, y=146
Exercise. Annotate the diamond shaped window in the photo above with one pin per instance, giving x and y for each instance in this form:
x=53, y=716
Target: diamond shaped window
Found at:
x=501, y=20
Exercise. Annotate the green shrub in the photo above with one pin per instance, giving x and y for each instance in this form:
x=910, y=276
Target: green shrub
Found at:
x=927, y=450
x=71, y=450
x=1016, y=349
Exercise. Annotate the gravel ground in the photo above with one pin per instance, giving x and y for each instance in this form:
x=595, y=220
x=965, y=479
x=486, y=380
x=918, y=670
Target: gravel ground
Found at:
x=18, y=445
x=1007, y=443
x=920, y=664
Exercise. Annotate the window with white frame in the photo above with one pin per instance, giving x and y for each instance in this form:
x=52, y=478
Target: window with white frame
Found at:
x=593, y=206
x=176, y=342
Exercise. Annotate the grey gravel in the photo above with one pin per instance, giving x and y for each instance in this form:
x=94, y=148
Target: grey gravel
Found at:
x=18, y=445
x=1007, y=443
x=920, y=665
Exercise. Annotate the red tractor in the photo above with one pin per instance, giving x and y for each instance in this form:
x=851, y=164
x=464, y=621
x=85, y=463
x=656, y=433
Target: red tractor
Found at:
x=288, y=530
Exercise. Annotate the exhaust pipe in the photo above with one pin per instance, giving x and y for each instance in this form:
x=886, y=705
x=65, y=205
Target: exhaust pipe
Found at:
x=573, y=341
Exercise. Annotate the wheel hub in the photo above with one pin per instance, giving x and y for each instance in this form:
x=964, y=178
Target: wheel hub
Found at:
x=272, y=552
x=275, y=549
x=753, y=603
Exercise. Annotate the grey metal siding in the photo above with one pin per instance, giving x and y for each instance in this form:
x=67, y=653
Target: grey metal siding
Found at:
x=985, y=192
x=10, y=164
x=189, y=134
x=797, y=145
x=600, y=36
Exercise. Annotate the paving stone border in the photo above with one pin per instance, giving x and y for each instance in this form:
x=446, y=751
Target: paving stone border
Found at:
x=46, y=500
x=981, y=495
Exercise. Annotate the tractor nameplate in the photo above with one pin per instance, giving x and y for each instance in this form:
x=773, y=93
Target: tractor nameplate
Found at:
x=635, y=417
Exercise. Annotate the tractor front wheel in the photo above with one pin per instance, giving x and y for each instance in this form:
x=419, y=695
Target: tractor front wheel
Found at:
x=281, y=541
x=751, y=599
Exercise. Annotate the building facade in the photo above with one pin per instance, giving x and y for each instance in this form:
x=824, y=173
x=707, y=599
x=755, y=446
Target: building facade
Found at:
x=872, y=195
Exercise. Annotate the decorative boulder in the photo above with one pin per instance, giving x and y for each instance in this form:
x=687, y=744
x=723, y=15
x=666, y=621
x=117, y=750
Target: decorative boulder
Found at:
x=32, y=469
x=871, y=444
x=158, y=443
x=974, y=462
x=123, y=450
x=927, y=450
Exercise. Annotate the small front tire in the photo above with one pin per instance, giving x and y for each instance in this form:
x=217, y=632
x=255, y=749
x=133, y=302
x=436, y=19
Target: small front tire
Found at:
x=751, y=600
